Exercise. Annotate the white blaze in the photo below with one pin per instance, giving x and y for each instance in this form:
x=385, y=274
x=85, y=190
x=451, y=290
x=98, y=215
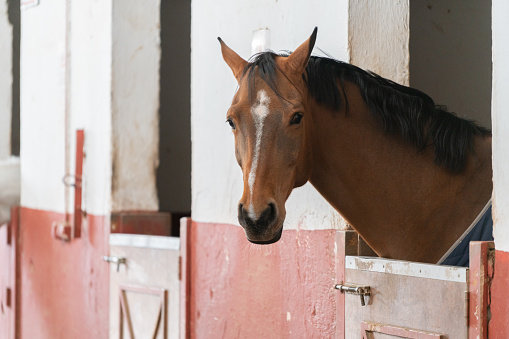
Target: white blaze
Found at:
x=259, y=111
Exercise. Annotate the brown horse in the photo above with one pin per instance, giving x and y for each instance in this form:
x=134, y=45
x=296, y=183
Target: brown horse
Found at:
x=407, y=175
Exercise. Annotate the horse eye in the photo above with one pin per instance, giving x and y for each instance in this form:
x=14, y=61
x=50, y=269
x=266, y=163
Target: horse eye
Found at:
x=297, y=117
x=230, y=122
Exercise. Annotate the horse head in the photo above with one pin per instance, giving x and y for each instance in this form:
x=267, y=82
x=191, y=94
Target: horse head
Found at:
x=270, y=120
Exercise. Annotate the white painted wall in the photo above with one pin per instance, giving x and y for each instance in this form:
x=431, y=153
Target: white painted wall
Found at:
x=216, y=177
x=91, y=45
x=43, y=105
x=9, y=166
x=5, y=81
x=9, y=187
x=379, y=37
x=113, y=95
x=43, y=92
x=500, y=116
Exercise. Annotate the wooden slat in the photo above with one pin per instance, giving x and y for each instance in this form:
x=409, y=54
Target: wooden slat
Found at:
x=164, y=306
x=78, y=179
x=185, y=281
x=480, y=266
x=16, y=265
x=124, y=313
x=408, y=268
x=369, y=328
x=135, y=222
x=347, y=244
x=161, y=314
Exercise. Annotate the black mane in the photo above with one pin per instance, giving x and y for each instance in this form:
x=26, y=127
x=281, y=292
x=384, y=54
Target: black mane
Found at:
x=399, y=109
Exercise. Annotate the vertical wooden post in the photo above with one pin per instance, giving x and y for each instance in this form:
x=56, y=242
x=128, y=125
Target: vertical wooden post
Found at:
x=78, y=179
x=16, y=276
x=185, y=278
x=347, y=243
x=480, y=267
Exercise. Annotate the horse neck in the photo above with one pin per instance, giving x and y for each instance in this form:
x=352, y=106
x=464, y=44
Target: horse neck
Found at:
x=396, y=198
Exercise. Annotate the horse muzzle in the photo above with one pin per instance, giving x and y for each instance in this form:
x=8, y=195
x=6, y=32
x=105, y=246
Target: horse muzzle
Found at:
x=263, y=228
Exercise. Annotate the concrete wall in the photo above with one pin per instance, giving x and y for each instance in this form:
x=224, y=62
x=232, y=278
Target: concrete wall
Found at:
x=9, y=115
x=136, y=55
x=499, y=324
x=450, y=54
x=43, y=56
x=378, y=37
x=500, y=106
x=216, y=177
x=68, y=83
x=43, y=102
x=91, y=98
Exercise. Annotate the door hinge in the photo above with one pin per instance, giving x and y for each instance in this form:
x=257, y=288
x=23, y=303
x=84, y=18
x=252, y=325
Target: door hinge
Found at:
x=8, y=297
x=467, y=304
x=180, y=267
x=9, y=232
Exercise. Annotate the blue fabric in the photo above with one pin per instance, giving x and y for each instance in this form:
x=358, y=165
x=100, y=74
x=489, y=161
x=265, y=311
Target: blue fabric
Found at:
x=483, y=231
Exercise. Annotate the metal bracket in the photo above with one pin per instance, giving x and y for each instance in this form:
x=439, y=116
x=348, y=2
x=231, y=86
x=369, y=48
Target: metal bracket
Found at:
x=115, y=260
x=362, y=291
x=61, y=231
x=8, y=226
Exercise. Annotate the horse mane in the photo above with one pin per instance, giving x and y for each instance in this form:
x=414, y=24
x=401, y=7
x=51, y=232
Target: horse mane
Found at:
x=400, y=110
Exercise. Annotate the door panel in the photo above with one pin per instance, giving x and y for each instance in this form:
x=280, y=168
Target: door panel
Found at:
x=62, y=286
x=405, y=296
x=144, y=291
x=143, y=312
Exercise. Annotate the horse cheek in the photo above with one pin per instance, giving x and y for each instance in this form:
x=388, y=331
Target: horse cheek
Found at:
x=304, y=165
x=238, y=157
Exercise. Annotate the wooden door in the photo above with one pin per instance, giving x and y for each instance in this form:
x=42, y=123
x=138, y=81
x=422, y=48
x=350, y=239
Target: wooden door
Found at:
x=411, y=300
x=407, y=299
x=144, y=286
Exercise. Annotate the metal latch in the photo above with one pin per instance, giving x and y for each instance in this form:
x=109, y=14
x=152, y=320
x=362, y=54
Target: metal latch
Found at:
x=354, y=289
x=115, y=260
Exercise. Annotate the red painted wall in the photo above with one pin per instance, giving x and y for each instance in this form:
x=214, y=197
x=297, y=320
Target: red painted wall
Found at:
x=240, y=290
x=64, y=286
x=499, y=324
x=8, y=279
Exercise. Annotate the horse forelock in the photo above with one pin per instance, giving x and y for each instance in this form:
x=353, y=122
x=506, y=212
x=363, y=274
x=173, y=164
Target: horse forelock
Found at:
x=399, y=110
x=264, y=66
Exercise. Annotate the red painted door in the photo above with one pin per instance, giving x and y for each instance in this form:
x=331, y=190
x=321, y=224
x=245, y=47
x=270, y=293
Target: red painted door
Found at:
x=63, y=286
x=55, y=289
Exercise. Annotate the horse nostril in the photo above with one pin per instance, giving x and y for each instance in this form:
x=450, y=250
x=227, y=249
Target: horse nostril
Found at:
x=268, y=216
x=272, y=213
x=241, y=215
x=260, y=223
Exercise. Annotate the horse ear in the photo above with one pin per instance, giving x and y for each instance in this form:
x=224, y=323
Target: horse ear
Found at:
x=236, y=63
x=298, y=60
